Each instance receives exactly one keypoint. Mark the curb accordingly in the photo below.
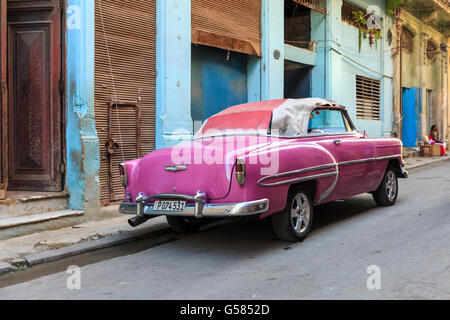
(6, 267)
(77, 249)
(419, 165)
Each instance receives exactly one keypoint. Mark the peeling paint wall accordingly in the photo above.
(81, 136)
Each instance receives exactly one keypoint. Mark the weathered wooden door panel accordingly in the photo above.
(3, 104)
(34, 62)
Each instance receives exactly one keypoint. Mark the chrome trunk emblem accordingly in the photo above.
(176, 168)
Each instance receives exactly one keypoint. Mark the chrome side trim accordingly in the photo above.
(318, 176)
(331, 188)
(208, 210)
(321, 167)
(301, 179)
(288, 173)
(388, 157)
(347, 163)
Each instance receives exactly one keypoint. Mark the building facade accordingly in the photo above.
(421, 77)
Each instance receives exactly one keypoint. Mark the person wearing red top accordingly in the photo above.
(434, 139)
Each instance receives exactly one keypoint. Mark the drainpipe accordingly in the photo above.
(325, 53)
(400, 123)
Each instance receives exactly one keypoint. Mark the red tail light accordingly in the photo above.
(123, 174)
(240, 171)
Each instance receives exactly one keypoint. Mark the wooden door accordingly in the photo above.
(34, 74)
(3, 104)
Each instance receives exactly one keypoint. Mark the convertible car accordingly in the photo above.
(272, 159)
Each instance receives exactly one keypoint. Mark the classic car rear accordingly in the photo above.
(275, 158)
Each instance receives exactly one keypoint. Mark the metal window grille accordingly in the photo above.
(316, 5)
(367, 98)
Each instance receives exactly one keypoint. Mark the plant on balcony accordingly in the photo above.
(391, 5)
(360, 19)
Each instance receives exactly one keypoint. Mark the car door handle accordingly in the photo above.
(337, 141)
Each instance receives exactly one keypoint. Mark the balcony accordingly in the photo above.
(435, 13)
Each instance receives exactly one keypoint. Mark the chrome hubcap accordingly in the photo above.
(300, 212)
(391, 185)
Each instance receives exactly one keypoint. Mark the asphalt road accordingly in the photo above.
(409, 243)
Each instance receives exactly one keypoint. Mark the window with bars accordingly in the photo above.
(367, 98)
(316, 5)
(347, 10)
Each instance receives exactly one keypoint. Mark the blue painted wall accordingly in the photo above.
(83, 164)
(338, 62)
(219, 80)
(173, 80)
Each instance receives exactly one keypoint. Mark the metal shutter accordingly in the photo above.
(130, 27)
(367, 98)
(234, 26)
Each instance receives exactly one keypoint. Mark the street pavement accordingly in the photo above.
(407, 245)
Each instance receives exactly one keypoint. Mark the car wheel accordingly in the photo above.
(294, 222)
(184, 224)
(387, 192)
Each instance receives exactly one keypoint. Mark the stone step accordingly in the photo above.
(38, 218)
(20, 203)
(411, 152)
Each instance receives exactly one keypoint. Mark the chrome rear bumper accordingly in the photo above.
(209, 210)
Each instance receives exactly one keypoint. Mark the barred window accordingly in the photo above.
(316, 5)
(347, 10)
(367, 98)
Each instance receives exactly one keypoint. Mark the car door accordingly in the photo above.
(355, 155)
(352, 151)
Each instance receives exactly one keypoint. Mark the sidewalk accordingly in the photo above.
(417, 162)
(52, 245)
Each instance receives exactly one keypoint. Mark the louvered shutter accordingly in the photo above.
(234, 26)
(367, 98)
(130, 27)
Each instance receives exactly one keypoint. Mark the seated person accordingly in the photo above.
(434, 139)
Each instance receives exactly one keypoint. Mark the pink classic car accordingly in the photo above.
(276, 159)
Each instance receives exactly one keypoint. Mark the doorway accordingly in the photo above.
(32, 76)
(297, 80)
(411, 111)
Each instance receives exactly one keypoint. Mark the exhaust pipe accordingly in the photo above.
(137, 221)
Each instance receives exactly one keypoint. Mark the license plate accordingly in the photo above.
(167, 205)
